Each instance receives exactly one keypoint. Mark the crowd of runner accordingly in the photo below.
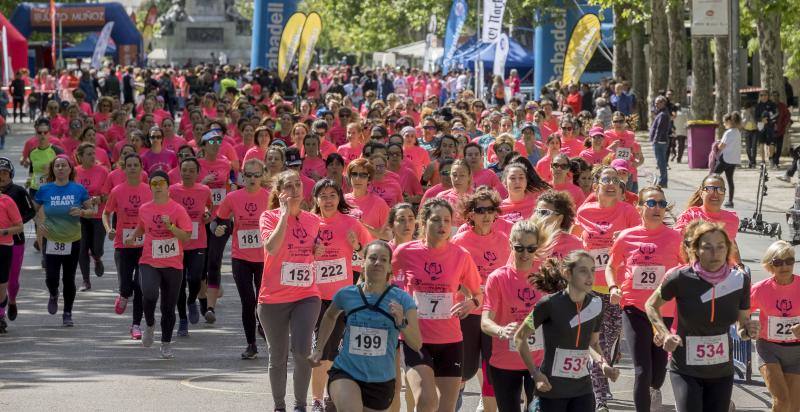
(417, 237)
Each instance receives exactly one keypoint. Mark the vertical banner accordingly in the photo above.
(53, 30)
(500, 55)
(710, 17)
(430, 40)
(455, 23)
(290, 42)
(308, 40)
(269, 17)
(493, 11)
(100, 46)
(6, 60)
(584, 41)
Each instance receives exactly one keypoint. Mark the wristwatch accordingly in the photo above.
(402, 324)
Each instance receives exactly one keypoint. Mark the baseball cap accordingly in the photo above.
(5, 164)
(293, 157)
(621, 164)
(379, 130)
(408, 129)
(594, 131)
(211, 134)
(527, 125)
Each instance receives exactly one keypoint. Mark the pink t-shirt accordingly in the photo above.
(161, 248)
(409, 181)
(125, 201)
(563, 244)
(641, 258)
(334, 269)
(9, 216)
(454, 199)
(433, 277)
(314, 168)
(511, 298)
(574, 192)
(489, 178)
(516, 211)
(174, 143)
(246, 209)
(775, 303)
(489, 252)
(93, 179)
(220, 169)
(592, 157)
(727, 218)
(625, 150)
(519, 147)
(254, 152)
(388, 189)
(116, 178)
(418, 157)
(543, 168)
(572, 147)
(599, 226)
(289, 274)
(195, 200)
(432, 192)
(165, 160)
(350, 152)
(369, 209)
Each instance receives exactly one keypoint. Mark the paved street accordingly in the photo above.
(95, 366)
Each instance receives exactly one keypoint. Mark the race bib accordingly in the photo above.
(248, 239)
(707, 350)
(368, 341)
(647, 277)
(195, 230)
(433, 305)
(217, 195)
(58, 248)
(357, 261)
(329, 271)
(601, 258)
(571, 363)
(780, 329)
(165, 248)
(296, 274)
(535, 341)
(138, 241)
(623, 153)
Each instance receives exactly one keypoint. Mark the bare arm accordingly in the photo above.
(325, 329)
(275, 239)
(492, 328)
(412, 337)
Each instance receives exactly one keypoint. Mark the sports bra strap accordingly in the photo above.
(374, 307)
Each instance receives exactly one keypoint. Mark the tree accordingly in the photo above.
(702, 79)
(677, 54)
(722, 75)
(622, 59)
(639, 74)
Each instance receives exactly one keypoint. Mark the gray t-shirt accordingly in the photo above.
(704, 312)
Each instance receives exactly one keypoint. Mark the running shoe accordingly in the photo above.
(52, 305)
(183, 327)
(147, 335)
(36, 245)
(12, 311)
(99, 269)
(784, 178)
(655, 399)
(120, 304)
(86, 286)
(4, 325)
(728, 205)
(67, 316)
(211, 317)
(166, 350)
(299, 409)
(194, 313)
(316, 406)
(329, 406)
(251, 352)
(601, 407)
(136, 332)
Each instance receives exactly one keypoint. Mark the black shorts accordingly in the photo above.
(767, 137)
(374, 395)
(444, 358)
(5, 263)
(331, 349)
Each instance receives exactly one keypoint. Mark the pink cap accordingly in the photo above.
(621, 164)
(597, 130)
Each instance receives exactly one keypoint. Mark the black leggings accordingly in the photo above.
(65, 266)
(728, 169)
(508, 386)
(247, 276)
(216, 248)
(649, 360)
(701, 395)
(193, 264)
(477, 346)
(93, 237)
(581, 403)
(19, 102)
(127, 260)
(164, 280)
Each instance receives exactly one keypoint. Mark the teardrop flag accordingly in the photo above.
(308, 40)
(582, 45)
(290, 43)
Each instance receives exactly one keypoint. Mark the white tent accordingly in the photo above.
(414, 53)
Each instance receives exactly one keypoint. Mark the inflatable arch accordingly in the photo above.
(83, 17)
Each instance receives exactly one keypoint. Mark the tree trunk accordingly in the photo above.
(702, 79)
(677, 52)
(622, 58)
(722, 76)
(638, 65)
(659, 52)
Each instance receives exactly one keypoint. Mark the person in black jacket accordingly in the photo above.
(110, 85)
(17, 90)
(127, 86)
(766, 114)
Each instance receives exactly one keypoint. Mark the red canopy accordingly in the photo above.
(17, 45)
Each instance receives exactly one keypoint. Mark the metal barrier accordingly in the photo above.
(742, 351)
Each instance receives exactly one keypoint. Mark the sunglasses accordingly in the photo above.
(214, 141)
(522, 248)
(444, 172)
(619, 121)
(781, 262)
(157, 137)
(250, 175)
(484, 210)
(544, 212)
(395, 154)
(609, 181)
(42, 133)
(562, 166)
(718, 189)
(158, 183)
(364, 175)
(429, 127)
(570, 128)
(651, 203)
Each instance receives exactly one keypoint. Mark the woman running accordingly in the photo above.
(158, 157)
(461, 177)
(778, 344)
(556, 211)
(61, 203)
(376, 313)
(433, 271)
(553, 144)
(639, 258)
(288, 300)
(569, 318)
(370, 209)
(523, 188)
(27, 210)
(560, 167)
(124, 202)
(710, 296)
(10, 225)
(245, 206)
(91, 176)
(597, 152)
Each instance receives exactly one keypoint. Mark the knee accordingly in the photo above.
(428, 400)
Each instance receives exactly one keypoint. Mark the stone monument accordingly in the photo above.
(202, 30)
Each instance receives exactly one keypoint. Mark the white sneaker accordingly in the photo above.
(166, 350)
(147, 335)
(479, 408)
(655, 399)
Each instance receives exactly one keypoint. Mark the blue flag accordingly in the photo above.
(455, 23)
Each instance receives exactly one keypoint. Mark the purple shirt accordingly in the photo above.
(164, 161)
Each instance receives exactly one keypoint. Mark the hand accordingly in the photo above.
(129, 241)
(507, 332)
(283, 202)
(315, 358)
(397, 311)
(796, 330)
(112, 234)
(462, 309)
(671, 342)
(658, 339)
(165, 220)
(610, 372)
(220, 230)
(208, 179)
(542, 383)
(614, 144)
(352, 239)
(319, 249)
(207, 216)
(752, 328)
(75, 212)
(615, 296)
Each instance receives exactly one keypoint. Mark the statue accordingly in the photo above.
(232, 14)
(175, 13)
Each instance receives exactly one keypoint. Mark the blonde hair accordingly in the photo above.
(777, 250)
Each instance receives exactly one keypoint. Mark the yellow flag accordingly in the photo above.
(308, 40)
(582, 45)
(290, 42)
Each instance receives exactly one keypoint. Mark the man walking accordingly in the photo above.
(659, 137)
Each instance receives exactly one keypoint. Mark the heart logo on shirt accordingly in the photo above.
(526, 295)
(325, 236)
(433, 269)
(134, 200)
(188, 202)
(250, 208)
(489, 257)
(785, 306)
(300, 234)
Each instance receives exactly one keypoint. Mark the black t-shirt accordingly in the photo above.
(24, 204)
(558, 316)
(705, 311)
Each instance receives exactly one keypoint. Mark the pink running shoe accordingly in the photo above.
(120, 304)
(136, 332)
